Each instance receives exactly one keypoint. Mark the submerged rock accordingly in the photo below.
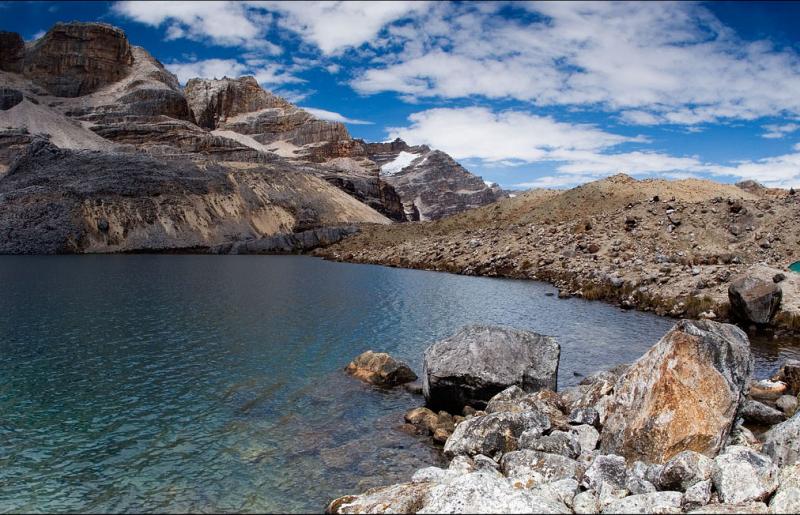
(380, 369)
(477, 362)
(683, 394)
(753, 299)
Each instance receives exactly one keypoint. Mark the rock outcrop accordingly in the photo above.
(380, 369)
(683, 394)
(754, 300)
(12, 52)
(74, 59)
(477, 362)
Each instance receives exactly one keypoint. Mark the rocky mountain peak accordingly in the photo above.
(215, 100)
(74, 59)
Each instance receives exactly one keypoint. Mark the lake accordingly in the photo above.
(214, 383)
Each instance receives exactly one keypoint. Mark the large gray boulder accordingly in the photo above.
(478, 362)
(782, 442)
(683, 394)
(754, 299)
(528, 468)
(684, 470)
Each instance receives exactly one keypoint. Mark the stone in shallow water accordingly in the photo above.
(789, 373)
(496, 432)
(753, 299)
(380, 369)
(400, 498)
(787, 404)
(683, 394)
(478, 362)
(743, 475)
(759, 413)
(782, 442)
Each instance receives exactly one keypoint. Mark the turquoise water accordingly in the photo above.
(214, 383)
(795, 267)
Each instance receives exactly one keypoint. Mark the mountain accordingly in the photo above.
(102, 150)
(668, 246)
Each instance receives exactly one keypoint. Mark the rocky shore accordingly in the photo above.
(684, 429)
(670, 247)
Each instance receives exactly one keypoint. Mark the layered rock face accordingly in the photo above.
(683, 394)
(214, 101)
(74, 59)
(63, 201)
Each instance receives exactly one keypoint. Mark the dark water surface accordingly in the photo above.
(214, 383)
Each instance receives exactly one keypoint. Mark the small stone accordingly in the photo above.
(787, 404)
(492, 433)
(557, 442)
(731, 509)
(786, 500)
(579, 416)
(607, 468)
(380, 369)
(587, 436)
(530, 468)
(759, 413)
(586, 502)
(684, 470)
(782, 442)
(697, 495)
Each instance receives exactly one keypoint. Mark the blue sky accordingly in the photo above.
(524, 94)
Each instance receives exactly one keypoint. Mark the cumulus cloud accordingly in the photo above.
(335, 26)
(655, 62)
(478, 132)
(331, 116)
(779, 131)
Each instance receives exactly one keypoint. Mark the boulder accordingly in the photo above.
(787, 404)
(786, 500)
(697, 495)
(527, 468)
(655, 502)
(483, 492)
(731, 509)
(380, 369)
(782, 442)
(608, 469)
(759, 413)
(478, 362)
(587, 436)
(754, 300)
(586, 502)
(588, 416)
(684, 470)
(743, 475)
(400, 498)
(683, 394)
(557, 442)
(492, 433)
(767, 390)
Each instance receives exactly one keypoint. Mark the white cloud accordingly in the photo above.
(335, 26)
(331, 116)
(226, 23)
(779, 131)
(268, 75)
(656, 62)
(477, 132)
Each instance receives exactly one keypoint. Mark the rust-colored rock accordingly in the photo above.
(683, 394)
(380, 369)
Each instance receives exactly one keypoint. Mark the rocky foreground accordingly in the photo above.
(685, 429)
(671, 247)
